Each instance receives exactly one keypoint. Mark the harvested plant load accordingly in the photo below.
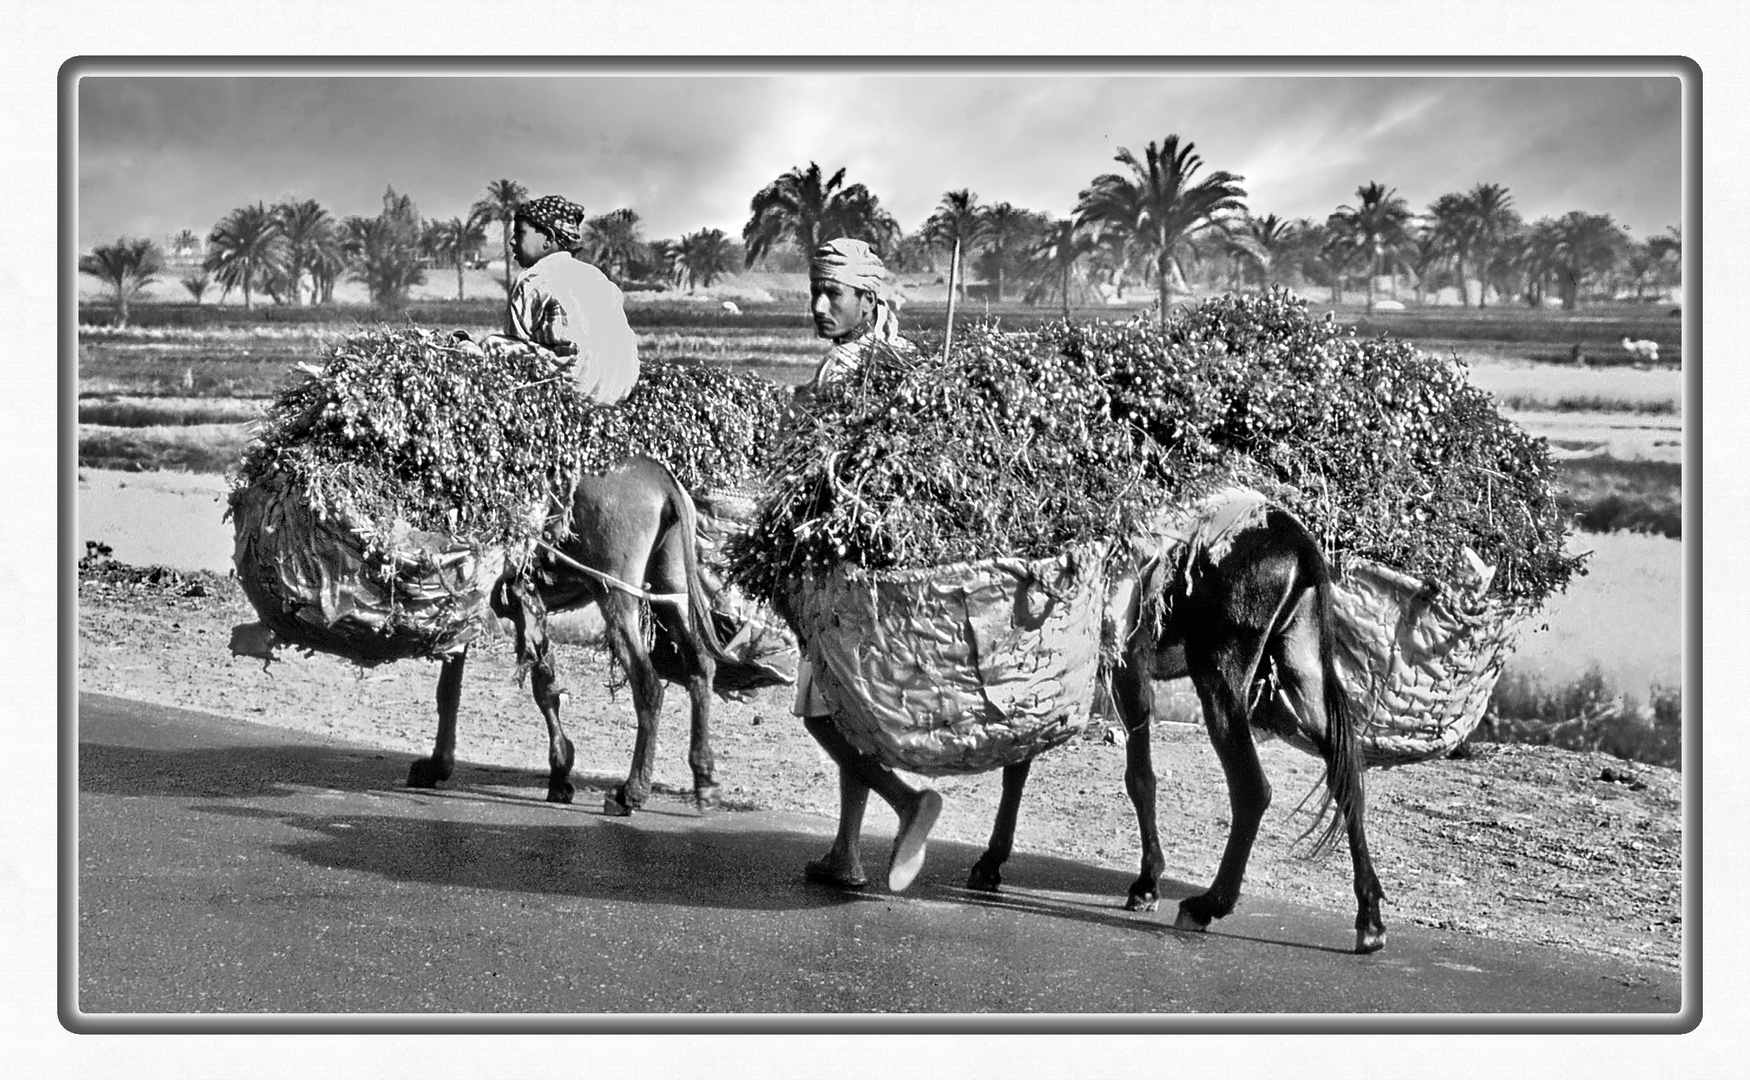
(1385, 453)
(377, 505)
(1001, 451)
(1024, 445)
(714, 427)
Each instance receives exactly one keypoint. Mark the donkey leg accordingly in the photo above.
(986, 875)
(1222, 691)
(1322, 718)
(699, 756)
(1134, 695)
(621, 615)
(430, 771)
(528, 614)
(701, 672)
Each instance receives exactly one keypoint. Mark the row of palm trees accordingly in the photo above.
(1156, 220)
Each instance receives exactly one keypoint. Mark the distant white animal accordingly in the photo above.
(1642, 350)
(729, 306)
(1388, 305)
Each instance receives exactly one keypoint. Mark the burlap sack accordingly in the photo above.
(961, 668)
(308, 579)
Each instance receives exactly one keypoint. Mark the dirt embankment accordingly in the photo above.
(1537, 845)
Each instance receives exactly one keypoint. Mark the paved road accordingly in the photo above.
(231, 868)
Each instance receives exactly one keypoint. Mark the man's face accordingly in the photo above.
(838, 309)
(530, 245)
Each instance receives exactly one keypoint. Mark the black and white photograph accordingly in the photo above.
(774, 542)
(522, 519)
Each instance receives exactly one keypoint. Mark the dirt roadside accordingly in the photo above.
(1580, 851)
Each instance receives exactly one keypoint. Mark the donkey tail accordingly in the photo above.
(1343, 781)
(699, 615)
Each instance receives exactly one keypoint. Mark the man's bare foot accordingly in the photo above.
(914, 832)
(837, 872)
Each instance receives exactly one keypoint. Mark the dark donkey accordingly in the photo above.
(1254, 609)
(633, 541)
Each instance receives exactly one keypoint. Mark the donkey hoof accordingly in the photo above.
(613, 807)
(1189, 919)
(560, 792)
(425, 773)
(982, 880)
(706, 798)
(1369, 941)
(1142, 899)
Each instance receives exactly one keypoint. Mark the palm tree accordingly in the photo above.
(244, 247)
(1271, 237)
(702, 257)
(1424, 253)
(1159, 208)
(1378, 226)
(1455, 227)
(1587, 246)
(1006, 227)
(185, 243)
(1058, 250)
(1493, 220)
(128, 266)
(1667, 250)
(384, 257)
(808, 209)
(499, 204)
(197, 285)
(309, 235)
(612, 243)
(957, 224)
(454, 242)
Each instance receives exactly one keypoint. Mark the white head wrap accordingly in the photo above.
(854, 263)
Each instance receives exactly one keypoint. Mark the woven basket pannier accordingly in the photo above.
(960, 668)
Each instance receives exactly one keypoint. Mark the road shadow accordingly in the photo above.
(669, 854)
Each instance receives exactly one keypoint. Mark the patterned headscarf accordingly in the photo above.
(558, 216)
(854, 263)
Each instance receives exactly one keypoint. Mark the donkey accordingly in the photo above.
(632, 542)
(1240, 617)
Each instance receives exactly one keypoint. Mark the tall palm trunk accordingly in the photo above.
(506, 258)
(1163, 270)
(1066, 269)
(459, 262)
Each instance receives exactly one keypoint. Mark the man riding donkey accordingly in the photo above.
(564, 306)
(851, 308)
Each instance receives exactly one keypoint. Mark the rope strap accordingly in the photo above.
(678, 600)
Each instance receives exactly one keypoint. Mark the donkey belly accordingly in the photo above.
(1169, 663)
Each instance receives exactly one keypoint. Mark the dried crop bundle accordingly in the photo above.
(714, 427)
(1386, 453)
(377, 505)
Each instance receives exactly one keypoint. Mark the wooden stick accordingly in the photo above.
(953, 265)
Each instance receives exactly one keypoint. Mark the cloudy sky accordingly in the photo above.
(158, 153)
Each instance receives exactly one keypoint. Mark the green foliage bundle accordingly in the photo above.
(1383, 451)
(1004, 449)
(401, 424)
(1022, 444)
(716, 428)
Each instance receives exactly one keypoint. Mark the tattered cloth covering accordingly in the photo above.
(1418, 662)
(758, 639)
(961, 668)
(308, 579)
